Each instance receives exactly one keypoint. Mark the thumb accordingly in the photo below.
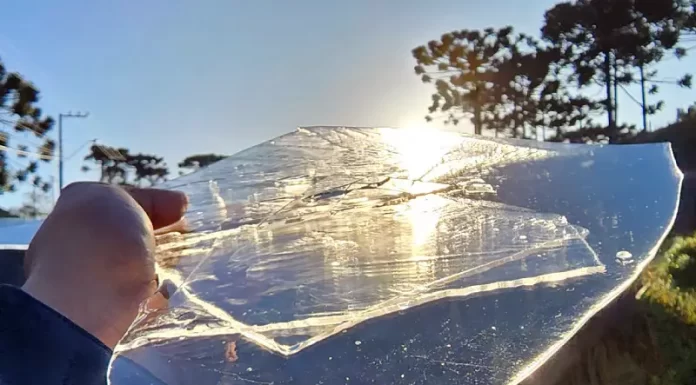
(160, 299)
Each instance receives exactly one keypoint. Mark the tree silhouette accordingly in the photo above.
(194, 162)
(658, 27)
(518, 86)
(7, 214)
(507, 83)
(111, 161)
(530, 91)
(657, 33)
(19, 116)
(684, 114)
(587, 33)
(37, 202)
(148, 168)
(462, 64)
(119, 166)
(604, 42)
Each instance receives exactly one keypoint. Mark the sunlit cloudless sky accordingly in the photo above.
(176, 78)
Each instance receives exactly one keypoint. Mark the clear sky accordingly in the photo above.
(179, 77)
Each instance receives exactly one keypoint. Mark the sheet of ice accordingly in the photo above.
(329, 230)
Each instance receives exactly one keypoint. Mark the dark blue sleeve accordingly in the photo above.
(40, 346)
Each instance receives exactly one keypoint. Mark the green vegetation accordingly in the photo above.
(670, 282)
(669, 304)
(21, 118)
(648, 336)
(6, 214)
(535, 86)
(120, 166)
(194, 162)
(525, 86)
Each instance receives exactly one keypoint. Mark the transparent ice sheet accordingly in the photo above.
(312, 234)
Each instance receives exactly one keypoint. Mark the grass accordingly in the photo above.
(669, 305)
(650, 337)
(670, 282)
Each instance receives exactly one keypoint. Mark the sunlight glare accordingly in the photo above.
(419, 149)
(424, 215)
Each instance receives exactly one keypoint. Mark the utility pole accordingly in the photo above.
(53, 189)
(60, 142)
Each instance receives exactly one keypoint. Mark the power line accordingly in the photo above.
(60, 141)
(631, 96)
(26, 153)
(663, 81)
(93, 141)
(17, 138)
(675, 57)
(16, 163)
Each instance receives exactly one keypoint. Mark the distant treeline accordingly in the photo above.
(536, 87)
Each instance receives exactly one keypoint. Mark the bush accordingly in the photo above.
(669, 302)
(671, 281)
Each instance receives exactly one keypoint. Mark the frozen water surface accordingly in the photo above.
(360, 255)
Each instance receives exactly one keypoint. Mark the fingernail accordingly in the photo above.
(167, 289)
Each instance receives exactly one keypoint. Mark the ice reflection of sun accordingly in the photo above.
(419, 149)
(424, 215)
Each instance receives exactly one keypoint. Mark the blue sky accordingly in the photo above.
(176, 78)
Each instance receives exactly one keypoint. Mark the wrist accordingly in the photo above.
(88, 314)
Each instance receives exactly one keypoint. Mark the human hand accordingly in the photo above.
(92, 259)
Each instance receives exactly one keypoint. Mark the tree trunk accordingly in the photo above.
(607, 79)
(616, 91)
(516, 121)
(644, 98)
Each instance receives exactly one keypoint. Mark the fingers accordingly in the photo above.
(157, 302)
(176, 227)
(164, 207)
(160, 299)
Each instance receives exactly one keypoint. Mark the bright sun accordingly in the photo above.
(419, 148)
